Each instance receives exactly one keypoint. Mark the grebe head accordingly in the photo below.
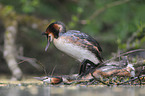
(53, 31)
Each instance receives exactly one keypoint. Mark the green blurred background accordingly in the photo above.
(118, 25)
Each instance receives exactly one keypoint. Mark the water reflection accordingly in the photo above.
(71, 91)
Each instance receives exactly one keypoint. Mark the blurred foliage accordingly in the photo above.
(29, 6)
(111, 22)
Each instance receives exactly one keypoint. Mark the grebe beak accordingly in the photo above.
(48, 40)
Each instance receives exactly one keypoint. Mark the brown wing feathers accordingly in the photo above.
(86, 41)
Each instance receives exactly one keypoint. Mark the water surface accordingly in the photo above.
(72, 91)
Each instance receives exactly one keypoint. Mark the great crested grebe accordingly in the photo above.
(76, 44)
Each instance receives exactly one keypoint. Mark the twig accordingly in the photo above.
(126, 53)
(139, 81)
(32, 61)
(99, 80)
(99, 11)
(43, 67)
(135, 78)
(53, 70)
(139, 78)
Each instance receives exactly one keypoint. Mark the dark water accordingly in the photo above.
(72, 91)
